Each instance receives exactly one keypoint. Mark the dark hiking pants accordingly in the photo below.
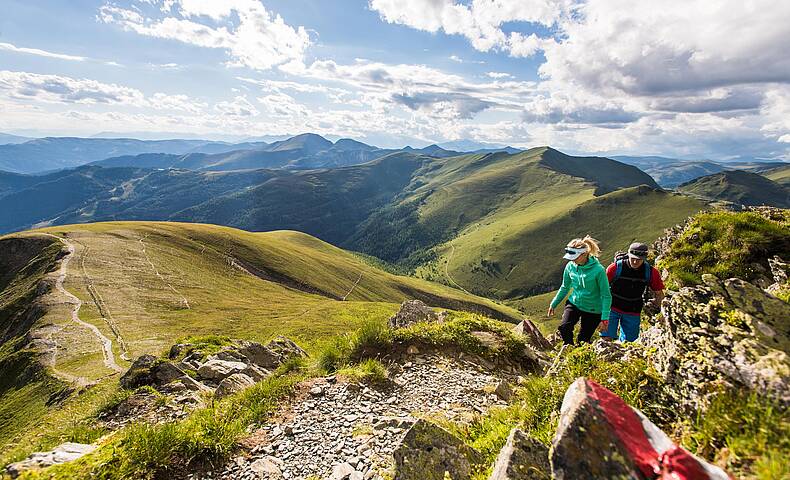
(570, 317)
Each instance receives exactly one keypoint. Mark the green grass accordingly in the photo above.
(374, 339)
(747, 433)
(727, 245)
(162, 450)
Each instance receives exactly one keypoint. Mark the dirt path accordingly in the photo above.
(353, 286)
(184, 300)
(106, 343)
(447, 269)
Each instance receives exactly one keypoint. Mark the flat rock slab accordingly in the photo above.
(66, 452)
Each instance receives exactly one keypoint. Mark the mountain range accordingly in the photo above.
(464, 219)
(671, 172)
(299, 152)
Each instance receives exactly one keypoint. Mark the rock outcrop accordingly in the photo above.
(723, 334)
(429, 452)
(522, 458)
(601, 436)
(231, 369)
(411, 312)
(534, 337)
(62, 454)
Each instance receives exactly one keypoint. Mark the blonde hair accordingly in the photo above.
(592, 245)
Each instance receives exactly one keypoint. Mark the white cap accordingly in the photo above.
(572, 253)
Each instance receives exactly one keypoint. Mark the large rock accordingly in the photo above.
(217, 370)
(272, 355)
(62, 454)
(232, 384)
(149, 370)
(411, 312)
(601, 436)
(723, 334)
(428, 451)
(522, 458)
(534, 337)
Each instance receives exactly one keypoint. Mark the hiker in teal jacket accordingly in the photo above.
(590, 300)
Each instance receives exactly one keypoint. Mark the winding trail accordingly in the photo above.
(353, 286)
(156, 271)
(447, 269)
(106, 343)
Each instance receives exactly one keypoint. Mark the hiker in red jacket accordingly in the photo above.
(630, 276)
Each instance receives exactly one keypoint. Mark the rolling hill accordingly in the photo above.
(737, 186)
(480, 212)
(144, 285)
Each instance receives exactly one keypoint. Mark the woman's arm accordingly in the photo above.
(564, 288)
(606, 295)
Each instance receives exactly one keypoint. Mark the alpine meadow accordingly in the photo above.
(394, 240)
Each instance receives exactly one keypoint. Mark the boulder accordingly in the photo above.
(232, 384)
(503, 390)
(270, 356)
(534, 337)
(522, 458)
(601, 436)
(723, 334)
(411, 312)
(285, 348)
(216, 369)
(427, 451)
(61, 454)
(149, 370)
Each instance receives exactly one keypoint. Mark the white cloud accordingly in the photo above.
(499, 75)
(481, 22)
(252, 36)
(40, 53)
(239, 107)
(67, 90)
(61, 89)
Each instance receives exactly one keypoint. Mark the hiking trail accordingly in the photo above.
(106, 343)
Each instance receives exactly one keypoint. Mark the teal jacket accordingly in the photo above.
(590, 288)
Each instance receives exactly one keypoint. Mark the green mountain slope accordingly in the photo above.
(780, 175)
(494, 224)
(145, 284)
(739, 187)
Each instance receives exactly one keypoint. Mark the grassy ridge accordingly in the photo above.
(739, 187)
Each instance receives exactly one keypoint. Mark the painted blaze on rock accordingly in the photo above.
(601, 436)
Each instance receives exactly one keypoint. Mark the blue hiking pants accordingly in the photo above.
(629, 326)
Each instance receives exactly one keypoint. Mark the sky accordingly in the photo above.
(688, 79)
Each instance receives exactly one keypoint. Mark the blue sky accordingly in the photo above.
(691, 79)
